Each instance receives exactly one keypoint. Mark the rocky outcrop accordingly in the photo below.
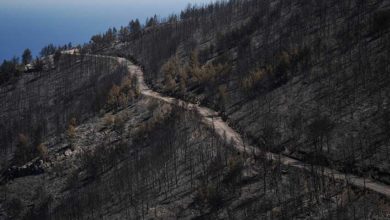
(29, 169)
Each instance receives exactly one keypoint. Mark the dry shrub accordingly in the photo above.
(123, 100)
(285, 58)
(176, 75)
(73, 122)
(119, 96)
(71, 132)
(109, 119)
(276, 212)
(126, 84)
(235, 166)
(170, 82)
(210, 73)
(115, 121)
(253, 79)
(137, 91)
(223, 96)
(170, 70)
(113, 95)
(23, 140)
(120, 123)
(43, 152)
(204, 74)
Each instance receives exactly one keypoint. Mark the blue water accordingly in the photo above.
(34, 24)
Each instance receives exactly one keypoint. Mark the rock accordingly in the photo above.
(13, 172)
(68, 152)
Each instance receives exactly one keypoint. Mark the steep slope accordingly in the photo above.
(155, 158)
(305, 78)
(42, 104)
(227, 134)
(296, 124)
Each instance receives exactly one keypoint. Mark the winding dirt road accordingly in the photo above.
(212, 119)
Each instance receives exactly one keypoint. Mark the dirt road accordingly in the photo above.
(211, 118)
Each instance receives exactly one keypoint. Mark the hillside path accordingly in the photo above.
(212, 119)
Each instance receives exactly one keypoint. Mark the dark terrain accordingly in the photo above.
(257, 109)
